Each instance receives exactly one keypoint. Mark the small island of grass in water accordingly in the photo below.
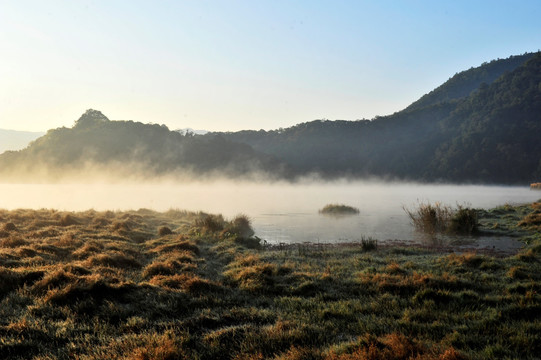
(338, 209)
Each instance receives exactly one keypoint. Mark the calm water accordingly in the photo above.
(280, 212)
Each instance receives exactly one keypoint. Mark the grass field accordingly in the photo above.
(179, 285)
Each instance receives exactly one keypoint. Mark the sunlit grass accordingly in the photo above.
(115, 285)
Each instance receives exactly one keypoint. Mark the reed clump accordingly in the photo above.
(439, 218)
(369, 243)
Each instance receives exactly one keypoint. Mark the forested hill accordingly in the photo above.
(470, 129)
(466, 82)
(127, 147)
(482, 126)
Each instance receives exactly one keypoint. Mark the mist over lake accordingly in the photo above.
(280, 212)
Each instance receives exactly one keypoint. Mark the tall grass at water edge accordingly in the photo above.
(439, 218)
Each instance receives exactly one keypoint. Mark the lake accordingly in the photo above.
(280, 212)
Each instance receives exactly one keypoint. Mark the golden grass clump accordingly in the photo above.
(113, 259)
(394, 346)
(55, 279)
(12, 242)
(94, 287)
(159, 268)
(532, 219)
(88, 249)
(179, 245)
(469, 259)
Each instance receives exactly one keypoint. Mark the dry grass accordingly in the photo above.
(111, 285)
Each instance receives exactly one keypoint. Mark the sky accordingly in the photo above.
(228, 65)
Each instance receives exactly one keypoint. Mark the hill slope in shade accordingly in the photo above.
(487, 134)
(466, 82)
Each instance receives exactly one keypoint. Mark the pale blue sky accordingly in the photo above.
(231, 65)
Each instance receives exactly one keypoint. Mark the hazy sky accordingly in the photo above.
(231, 65)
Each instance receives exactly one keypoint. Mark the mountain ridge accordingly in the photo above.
(411, 144)
(480, 126)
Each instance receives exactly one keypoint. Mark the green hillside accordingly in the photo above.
(470, 129)
(466, 82)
